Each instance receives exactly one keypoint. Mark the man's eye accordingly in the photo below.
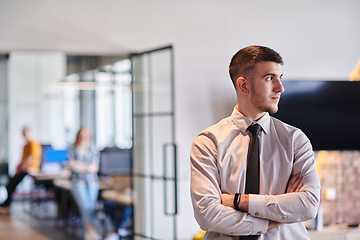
(268, 78)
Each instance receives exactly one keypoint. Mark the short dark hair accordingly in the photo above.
(243, 62)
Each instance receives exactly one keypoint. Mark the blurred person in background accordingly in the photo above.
(84, 166)
(30, 164)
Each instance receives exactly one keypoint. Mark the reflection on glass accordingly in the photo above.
(71, 116)
(113, 103)
(123, 116)
(113, 108)
(122, 66)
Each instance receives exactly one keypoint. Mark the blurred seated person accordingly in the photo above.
(30, 164)
(84, 165)
(121, 218)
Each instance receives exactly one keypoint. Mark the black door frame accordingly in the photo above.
(165, 146)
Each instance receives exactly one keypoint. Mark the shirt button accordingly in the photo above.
(283, 218)
(232, 233)
(258, 233)
(256, 214)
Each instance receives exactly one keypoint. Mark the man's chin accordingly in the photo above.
(273, 110)
(268, 109)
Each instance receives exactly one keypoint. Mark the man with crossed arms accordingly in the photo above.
(289, 187)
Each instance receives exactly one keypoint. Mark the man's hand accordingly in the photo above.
(273, 224)
(294, 184)
(23, 166)
(19, 168)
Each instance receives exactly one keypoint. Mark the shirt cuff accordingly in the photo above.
(257, 205)
(260, 226)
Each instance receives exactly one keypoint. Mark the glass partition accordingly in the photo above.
(154, 151)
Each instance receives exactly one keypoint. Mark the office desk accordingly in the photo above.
(117, 197)
(47, 180)
(67, 202)
(42, 191)
(51, 176)
(119, 207)
(66, 184)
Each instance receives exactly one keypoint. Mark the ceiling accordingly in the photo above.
(113, 27)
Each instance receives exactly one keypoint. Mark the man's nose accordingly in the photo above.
(279, 88)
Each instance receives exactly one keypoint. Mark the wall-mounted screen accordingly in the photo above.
(328, 112)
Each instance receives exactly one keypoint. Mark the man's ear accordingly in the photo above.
(243, 85)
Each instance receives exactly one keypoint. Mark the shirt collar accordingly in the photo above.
(243, 122)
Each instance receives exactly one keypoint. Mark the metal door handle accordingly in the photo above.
(165, 146)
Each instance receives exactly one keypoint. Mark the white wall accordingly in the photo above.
(317, 39)
(34, 100)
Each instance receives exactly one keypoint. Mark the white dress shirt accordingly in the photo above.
(218, 165)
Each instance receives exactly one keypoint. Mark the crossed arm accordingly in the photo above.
(294, 185)
(83, 167)
(215, 212)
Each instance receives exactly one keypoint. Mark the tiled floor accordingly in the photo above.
(20, 224)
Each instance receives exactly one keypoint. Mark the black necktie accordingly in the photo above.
(252, 185)
(252, 172)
